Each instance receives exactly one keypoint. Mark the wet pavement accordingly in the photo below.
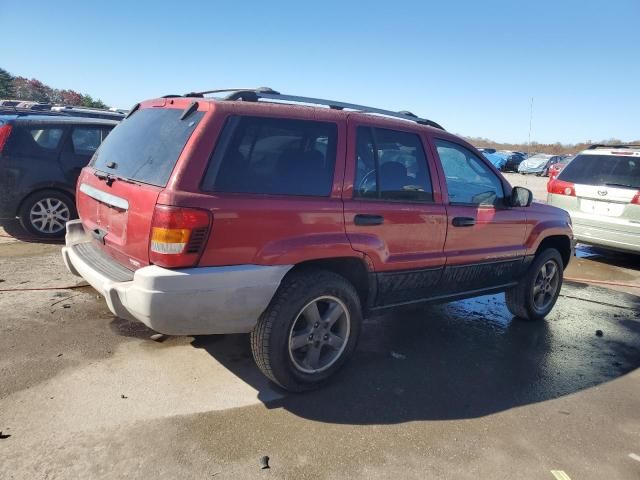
(449, 391)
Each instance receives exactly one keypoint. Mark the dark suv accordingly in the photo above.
(40, 160)
(252, 214)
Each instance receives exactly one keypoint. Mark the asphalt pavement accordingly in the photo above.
(450, 391)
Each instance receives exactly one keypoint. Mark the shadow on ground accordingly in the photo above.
(15, 230)
(462, 360)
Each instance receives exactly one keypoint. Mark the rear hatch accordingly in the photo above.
(117, 192)
(605, 190)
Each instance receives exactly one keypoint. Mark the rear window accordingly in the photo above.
(145, 147)
(273, 156)
(614, 170)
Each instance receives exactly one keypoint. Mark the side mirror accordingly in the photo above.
(521, 197)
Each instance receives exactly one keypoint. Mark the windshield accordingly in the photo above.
(145, 147)
(615, 170)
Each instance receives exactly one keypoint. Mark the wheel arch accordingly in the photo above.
(54, 188)
(562, 243)
(354, 269)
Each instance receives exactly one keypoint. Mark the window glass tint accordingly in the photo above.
(391, 165)
(274, 156)
(602, 170)
(146, 146)
(86, 140)
(47, 138)
(469, 180)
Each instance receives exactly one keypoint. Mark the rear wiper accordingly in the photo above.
(106, 177)
(625, 185)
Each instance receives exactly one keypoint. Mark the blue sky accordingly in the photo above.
(472, 66)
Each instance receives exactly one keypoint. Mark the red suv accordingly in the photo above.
(254, 213)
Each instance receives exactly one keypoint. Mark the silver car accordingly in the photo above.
(600, 189)
(538, 164)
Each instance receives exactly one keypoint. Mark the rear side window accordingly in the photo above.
(614, 170)
(145, 147)
(47, 138)
(273, 156)
(391, 165)
(86, 140)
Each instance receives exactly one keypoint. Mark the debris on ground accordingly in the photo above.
(599, 333)
(158, 337)
(59, 355)
(66, 305)
(398, 356)
(123, 396)
(4, 436)
(264, 463)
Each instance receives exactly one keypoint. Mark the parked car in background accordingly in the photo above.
(538, 164)
(555, 170)
(497, 160)
(487, 150)
(40, 160)
(254, 213)
(513, 161)
(600, 188)
(107, 114)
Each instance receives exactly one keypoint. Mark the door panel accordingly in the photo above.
(403, 238)
(485, 240)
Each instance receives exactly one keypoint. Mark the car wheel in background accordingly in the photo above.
(45, 213)
(309, 330)
(536, 293)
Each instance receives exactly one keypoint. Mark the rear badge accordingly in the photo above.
(602, 193)
(134, 262)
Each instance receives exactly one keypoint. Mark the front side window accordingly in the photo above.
(469, 180)
(273, 156)
(391, 165)
(47, 138)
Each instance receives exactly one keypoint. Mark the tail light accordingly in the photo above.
(636, 199)
(178, 236)
(5, 131)
(561, 188)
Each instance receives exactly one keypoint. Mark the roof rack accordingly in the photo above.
(255, 94)
(624, 145)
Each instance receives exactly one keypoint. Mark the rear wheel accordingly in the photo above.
(536, 294)
(309, 330)
(45, 213)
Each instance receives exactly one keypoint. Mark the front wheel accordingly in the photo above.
(309, 330)
(536, 294)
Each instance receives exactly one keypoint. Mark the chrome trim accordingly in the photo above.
(105, 197)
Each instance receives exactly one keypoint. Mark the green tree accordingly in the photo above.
(89, 101)
(6, 84)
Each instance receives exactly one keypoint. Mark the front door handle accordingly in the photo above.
(363, 219)
(463, 222)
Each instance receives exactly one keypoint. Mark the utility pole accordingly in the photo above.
(530, 120)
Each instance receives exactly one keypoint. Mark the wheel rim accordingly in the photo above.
(319, 334)
(545, 285)
(49, 215)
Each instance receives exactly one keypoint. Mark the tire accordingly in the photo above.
(51, 222)
(285, 323)
(520, 299)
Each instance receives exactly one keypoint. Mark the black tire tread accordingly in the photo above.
(291, 286)
(517, 298)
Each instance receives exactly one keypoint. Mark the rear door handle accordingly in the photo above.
(363, 219)
(463, 222)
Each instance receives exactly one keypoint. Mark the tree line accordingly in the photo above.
(21, 88)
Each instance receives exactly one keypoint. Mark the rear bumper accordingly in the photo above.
(606, 237)
(190, 301)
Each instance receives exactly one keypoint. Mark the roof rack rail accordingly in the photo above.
(255, 94)
(623, 145)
